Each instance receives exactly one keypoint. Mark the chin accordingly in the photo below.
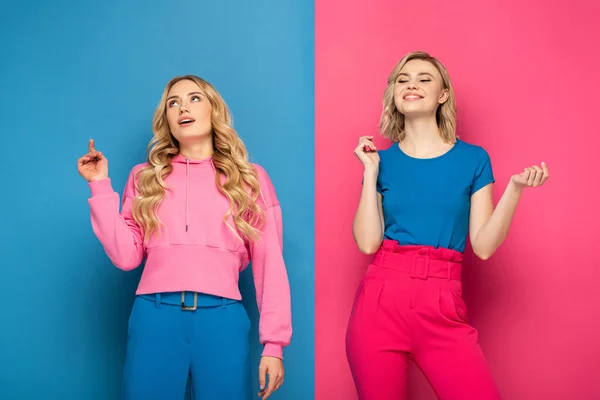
(414, 110)
(191, 136)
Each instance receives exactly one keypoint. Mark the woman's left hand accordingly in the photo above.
(273, 367)
(531, 177)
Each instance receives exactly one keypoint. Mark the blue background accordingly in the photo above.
(73, 70)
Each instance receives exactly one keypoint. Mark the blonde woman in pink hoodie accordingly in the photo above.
(197, 212)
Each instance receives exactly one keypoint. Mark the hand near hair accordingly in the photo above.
(273, 367)
(531, 177)
(93, 166)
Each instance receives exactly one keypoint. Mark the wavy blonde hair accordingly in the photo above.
(230, 159)
(391, 123)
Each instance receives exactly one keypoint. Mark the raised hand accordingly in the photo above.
(367, 152)
(531, 177)
(93, 166)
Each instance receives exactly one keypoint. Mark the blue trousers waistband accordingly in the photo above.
(200, 300)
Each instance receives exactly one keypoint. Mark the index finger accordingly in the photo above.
(91, 146)
(270, 389)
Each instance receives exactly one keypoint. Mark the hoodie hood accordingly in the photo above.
(181, 159)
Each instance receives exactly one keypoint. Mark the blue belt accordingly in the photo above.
(188, 301)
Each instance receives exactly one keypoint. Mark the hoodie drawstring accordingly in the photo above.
(187, 190)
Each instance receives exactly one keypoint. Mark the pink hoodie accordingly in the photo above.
(196, 250)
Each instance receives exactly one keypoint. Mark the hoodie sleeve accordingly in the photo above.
(118, 232)
(270, 275)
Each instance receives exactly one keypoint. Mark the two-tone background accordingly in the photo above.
(304, 80)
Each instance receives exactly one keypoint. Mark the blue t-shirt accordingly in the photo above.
(427, 201)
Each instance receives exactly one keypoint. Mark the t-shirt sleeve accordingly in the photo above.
(484, 174)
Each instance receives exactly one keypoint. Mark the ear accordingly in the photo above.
(444, 97)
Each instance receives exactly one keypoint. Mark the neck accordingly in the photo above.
(200, 149)
(422, 137)
(422, 131)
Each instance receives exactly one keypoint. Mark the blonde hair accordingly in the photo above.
(391, 124)
(230, 159)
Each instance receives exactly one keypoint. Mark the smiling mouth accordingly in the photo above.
(412, 97)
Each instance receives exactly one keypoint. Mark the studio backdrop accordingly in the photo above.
(74, 70)
(527, 86)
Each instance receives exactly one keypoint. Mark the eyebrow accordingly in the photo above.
(420, 74)
(189, 94)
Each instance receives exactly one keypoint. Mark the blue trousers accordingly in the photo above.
(166, 344)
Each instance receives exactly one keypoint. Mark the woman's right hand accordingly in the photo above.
(93, 166)
(367, 152)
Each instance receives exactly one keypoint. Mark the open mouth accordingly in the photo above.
(412, 97)
(186, 121)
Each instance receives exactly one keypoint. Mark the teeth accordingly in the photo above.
(185, 120)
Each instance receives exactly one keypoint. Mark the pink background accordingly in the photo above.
(527, 81)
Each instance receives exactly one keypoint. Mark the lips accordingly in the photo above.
(412, 96)
(186, 121)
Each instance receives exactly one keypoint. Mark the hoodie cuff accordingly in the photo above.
(101, 187)
(273, 350)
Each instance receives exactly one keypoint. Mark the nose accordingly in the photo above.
(183, 108)
(412, 85)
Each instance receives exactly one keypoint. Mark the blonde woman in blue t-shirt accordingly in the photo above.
(420, 198)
